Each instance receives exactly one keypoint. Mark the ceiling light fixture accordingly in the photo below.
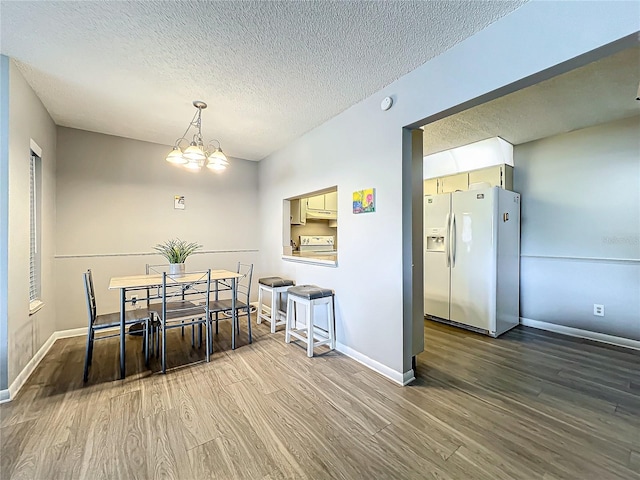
(195, 155)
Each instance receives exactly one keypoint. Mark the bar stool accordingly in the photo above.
(274, 286)
(310, 296)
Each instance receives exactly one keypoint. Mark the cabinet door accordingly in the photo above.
(431, 186)
(491, 175)
(315, 203)
(331, 201)
(454, 183)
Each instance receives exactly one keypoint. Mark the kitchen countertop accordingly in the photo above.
(324, 258)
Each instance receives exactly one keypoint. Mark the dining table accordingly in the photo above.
(144, 283)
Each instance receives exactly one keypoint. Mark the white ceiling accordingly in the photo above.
(600, 92)
(270, 71)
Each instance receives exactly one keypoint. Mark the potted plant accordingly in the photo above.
(176, 252)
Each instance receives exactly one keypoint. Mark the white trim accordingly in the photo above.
(141, 254)
(583, 259)
(26, 372)
(397, 377)
(35, 306)
(35, 148)
(579, 333)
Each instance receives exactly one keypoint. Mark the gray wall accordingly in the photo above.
(29, 120)
(115, 202)
(581, 228)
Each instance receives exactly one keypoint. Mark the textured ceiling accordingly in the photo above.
(270, 71)
(599, 92)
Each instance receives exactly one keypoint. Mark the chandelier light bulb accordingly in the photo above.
(194, 152)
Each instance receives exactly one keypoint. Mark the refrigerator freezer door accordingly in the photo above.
(473, 257)
(436, 270)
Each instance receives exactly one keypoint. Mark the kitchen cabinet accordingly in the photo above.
(298, 211)
(316, 203)
(431, 186)
(322, 206)
(454, 183)
(496, 176)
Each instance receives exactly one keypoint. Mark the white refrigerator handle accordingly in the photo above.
(446, 243)
(452, 240)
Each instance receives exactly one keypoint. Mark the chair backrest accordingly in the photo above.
(244, 282)
(193, 287)
(90, 295)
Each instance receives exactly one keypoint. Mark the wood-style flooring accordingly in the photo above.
(529, 405)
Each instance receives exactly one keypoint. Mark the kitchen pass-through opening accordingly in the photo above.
(310, 227)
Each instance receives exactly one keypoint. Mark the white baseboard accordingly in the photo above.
(579, 333)
(30, 367)
(397, 377)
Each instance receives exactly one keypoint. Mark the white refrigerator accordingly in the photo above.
(472, 259)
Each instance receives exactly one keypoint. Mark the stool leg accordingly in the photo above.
(274, 309)
(332, 322)
(310, 330)
(260, 290)
(290, 308)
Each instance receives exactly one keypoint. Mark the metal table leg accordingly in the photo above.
(122, 331)
(234, 314)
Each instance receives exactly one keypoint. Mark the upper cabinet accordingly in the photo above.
(323, 206)
(495, 176)
(316, 207)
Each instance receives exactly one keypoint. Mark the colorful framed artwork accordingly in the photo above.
(364, 201)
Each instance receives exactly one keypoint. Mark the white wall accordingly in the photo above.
(29, 120)
(581, 228)
(115, 202)
(4, 221)
(366, 151)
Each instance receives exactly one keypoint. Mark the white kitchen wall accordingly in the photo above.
(29, 120)
(581, 228)
(116, 201)
(367, 152)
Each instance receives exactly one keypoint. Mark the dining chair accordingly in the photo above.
(243, 297)
(105, 321)
(183, 303)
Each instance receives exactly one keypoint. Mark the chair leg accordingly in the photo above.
(92, 340)
(85, 376)
(275, 308)
(310, 331)
(290, 308)
(145, 341)
(249, 322)
(207, 333)
(164, 349)
(259, 312)
(332, 324)
(216, 323)
(199, 335)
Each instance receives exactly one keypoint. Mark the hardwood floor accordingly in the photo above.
(530, 405)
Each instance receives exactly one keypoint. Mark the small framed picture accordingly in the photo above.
(364, 201)
(178, 202)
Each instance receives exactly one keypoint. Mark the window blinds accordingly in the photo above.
(34, 283)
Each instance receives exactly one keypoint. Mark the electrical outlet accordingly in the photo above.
(598, 310)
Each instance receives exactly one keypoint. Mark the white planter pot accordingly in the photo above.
(176, 269)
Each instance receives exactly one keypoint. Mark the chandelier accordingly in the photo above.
(196, 155)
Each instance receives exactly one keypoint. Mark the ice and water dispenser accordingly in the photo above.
(435, 239)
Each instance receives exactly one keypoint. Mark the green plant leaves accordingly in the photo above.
(176, 250)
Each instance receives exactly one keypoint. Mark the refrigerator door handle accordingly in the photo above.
(446, 243)
(452, 240)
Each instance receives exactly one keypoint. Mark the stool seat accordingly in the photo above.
(310, 292)
(276, 282)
